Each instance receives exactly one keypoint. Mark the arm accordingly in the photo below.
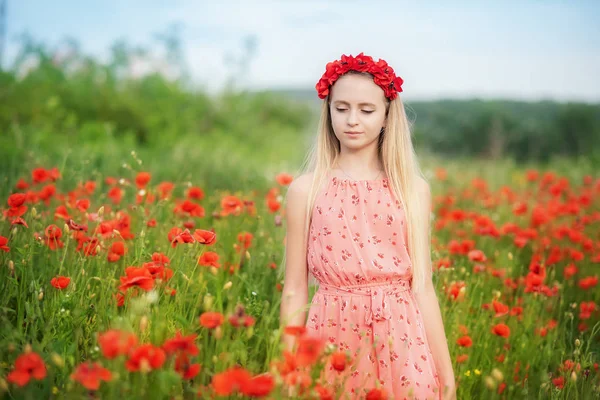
(429, 307)
(294, 295)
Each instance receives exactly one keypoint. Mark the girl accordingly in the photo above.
(358, 221)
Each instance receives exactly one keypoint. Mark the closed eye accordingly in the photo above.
(345, 109)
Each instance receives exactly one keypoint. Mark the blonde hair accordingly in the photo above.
(399, 162)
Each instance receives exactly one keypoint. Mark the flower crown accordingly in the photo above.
(383, 74)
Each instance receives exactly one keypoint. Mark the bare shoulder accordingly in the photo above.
(423, 187)
(300, 185)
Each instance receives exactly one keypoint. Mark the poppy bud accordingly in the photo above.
(208, 301)
(143, 323)
(218, 332)
(497, 374)
(57, 360)
(490, 383)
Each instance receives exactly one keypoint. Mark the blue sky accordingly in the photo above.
(528, 50)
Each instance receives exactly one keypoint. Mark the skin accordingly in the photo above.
(358, 104)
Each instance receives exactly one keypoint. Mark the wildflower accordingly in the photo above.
(90, 374)
(28, 365)
(211, 319)
(140, 277)
(181, 343)
(501, 330)
(60, 282)
(145, 358)
(115, 342)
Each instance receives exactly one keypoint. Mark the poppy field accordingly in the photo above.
(140, 282)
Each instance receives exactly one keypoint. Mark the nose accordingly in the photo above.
(352, 118)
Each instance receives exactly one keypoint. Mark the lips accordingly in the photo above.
(353, 133)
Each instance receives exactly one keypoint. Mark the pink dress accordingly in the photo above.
(357, 251)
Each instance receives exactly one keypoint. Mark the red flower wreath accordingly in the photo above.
(383, 74)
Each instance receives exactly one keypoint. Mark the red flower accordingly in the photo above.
(209, 259)
(146, 357)
(258, 386)
(588, 282)
(185, 368)
(176, 235)
(60, 282)
(115, 342)
(16, 200)
(205, 237)
(464, 341)
(3, 244)
(181, 343)
(27, 366)
(140, 277)
(501, 330)
(295, 330)
(230, 381)
(90, 374)
(339, 360)
(376, 394)
(211, 319)
(309, 350)
(142, 179)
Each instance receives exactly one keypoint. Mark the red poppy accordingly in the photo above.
(205, 237)
(309, 350)
(230, 381)
(181, 343)
(501, 309)
(209, 259)
(90, 374)
(231, 205)
(464, 341)
(339, 360)
(114, 342)
(211, 319)
(19, 221)
(3, 244)
(165, 189)
(75, 226)
(27, 366)
(588, 282)
(258, 386)
(139, 277)
(184, 368)
(142, 179)
(21, 184)
(376, 394)
(82, 205)
(16, 200)
(60, 282)
(146, 357)
(195, 193)
(176, 236)
(501, 330)
(295, 330)
(284, 179)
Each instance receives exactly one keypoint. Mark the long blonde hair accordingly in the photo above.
(399, 160)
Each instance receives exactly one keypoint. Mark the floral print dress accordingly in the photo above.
(357, 251)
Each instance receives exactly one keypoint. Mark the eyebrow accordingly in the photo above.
(360, 104)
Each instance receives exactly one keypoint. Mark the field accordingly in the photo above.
(155, 272)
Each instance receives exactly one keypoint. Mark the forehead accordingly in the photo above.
(356, 89)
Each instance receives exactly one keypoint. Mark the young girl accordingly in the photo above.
(358, 221)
